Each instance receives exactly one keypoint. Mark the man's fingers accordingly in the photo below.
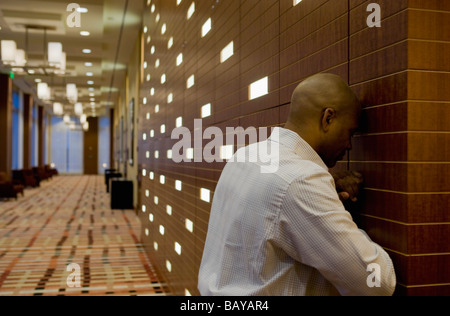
(344, 196)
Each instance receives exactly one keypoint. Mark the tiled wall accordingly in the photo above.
(398, 70)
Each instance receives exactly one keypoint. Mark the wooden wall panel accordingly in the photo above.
(399, 71)
(5, 123)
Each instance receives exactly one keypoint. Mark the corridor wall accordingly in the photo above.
(400, 71)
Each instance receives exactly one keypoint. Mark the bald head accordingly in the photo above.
(325, 112)
(319, 92)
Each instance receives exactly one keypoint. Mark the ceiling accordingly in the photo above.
(113, 26)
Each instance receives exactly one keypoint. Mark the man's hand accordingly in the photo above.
(348, 184)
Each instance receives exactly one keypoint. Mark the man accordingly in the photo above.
(287, 232)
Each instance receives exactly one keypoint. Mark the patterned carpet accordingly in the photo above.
(68, 221)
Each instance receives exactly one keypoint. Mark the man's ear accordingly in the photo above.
(328, 116)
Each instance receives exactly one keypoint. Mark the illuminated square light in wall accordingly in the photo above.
(156, 200)
(163, 128)
(144, 136)
(144, 208)
(163, 29)
(170, 98)
(227, 52)
(161, 229)
(145, 29)
(147, 154)
(177, 248)
(191, 10)
(153, 8)
(156, 154)
(190, 153)
(144, 100)
(147, 193)
(152, 133)
(179, 122)
(170, 43)
(147, 116)
(190, 82)
(163, 78)
(157, 62)
(152, 175)
(259, 88)
(158, 17)
(226, 152)
(189, 225)
(168, 266)
(206, 110)
(157, 108)
(155, 246)
(149, 39)
(148, 77)
(169, 154)
(297, 2)
(152, 49)
(144, 172)
(205, 195)
(180, 59)
(147, 232)
(162, 179)
(145, 65)
(206, 27)
(169, 210)
(178, 185)
(152, 91)
(151, 217)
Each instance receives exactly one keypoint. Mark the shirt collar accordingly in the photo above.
(292, 140)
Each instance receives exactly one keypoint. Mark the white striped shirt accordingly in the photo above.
(287, 232)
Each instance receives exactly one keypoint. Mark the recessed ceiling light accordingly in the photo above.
(37, 80)
(92, 94)
(87, 51)
(90, 82)
(89, 74)
(85, 33)
(82, 10)
(88, 64)
(91, 89)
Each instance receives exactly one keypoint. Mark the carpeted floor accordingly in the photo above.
(67, 223)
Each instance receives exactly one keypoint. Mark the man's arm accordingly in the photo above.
(317, 231)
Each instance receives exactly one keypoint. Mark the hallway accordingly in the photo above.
(68, 220)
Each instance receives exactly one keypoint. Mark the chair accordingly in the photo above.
(8, 189)
(25, 177)
(40, 173)
(51, 171)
